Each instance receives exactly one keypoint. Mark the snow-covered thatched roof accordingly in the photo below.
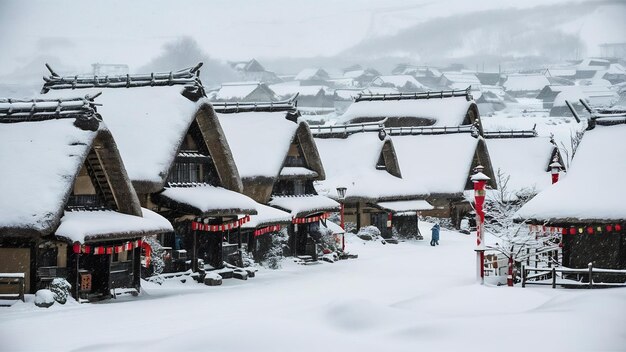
(149, 124)
(398, 81)
(442, 164)
(287, 90)
(352, 163)
(304, 205)
(260, 141)
(206, 200)
(450, 108)
(527, 170)
(593, 190)
(267, 216)
(309, 74)
(525, 82)
(238, 91)
(39, 166)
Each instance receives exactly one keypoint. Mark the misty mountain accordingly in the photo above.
(535, 31)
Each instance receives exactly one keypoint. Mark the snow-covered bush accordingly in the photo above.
(369, 233)
(247, 259)
(44, 298)
(156, 257)
(61, 289)
(275, 254)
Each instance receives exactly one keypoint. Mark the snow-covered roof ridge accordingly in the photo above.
(416, 95)
(237, 106)
(512, 133)
(188, 77)
(15, 110)
(585, 195)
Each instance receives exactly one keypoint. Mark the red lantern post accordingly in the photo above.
(480, 181)
(555, 167)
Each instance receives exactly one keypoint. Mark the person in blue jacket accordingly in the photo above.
(435, 235)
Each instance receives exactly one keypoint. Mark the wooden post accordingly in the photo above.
(21, 284)
(590, 265)
(194, 255)
(528, 256)
(524, 276)
(553, 277)
(239, 237)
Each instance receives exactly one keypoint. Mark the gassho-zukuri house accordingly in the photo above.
(588, 204)
(176, 156)
(445, 109)
(366, 165)
(68, 207)
(278, 161)
(438, 141)
(523, 162)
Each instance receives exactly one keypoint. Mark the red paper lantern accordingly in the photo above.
(590, 230)
(564, 231)
(609, 228)
(618, 227)
(572, 231)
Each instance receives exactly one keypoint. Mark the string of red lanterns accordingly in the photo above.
(311, 219)
(99, 250)
(598, 229)
(200, 226)
(264, 230)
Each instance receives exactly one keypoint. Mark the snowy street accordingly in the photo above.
(403, 297)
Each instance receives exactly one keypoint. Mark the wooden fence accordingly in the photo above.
(548, 276)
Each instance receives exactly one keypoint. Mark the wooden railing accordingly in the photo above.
(548, 276)
(11, 280)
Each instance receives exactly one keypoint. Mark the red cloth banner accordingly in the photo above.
(200, 226)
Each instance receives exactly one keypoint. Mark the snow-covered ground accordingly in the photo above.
(404, 297)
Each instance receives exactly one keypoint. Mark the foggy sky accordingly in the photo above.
(76, 34)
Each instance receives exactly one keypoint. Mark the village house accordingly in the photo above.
(528, 173)
(253, 71)
(313, 98)
(525, 85)
(404, 83)
(243, 91)
(461, 80)
(312, 77)
(366, 165)
(68, 207)
(442, 161)
(587, 205)
(362, 77)
(554, 97)
(449, 109)
(278, 161)
(176, 156)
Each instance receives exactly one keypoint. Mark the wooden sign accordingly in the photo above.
(85, 282)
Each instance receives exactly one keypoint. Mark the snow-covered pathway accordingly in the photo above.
(403, 297)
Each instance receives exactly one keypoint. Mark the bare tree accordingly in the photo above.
(514, 238)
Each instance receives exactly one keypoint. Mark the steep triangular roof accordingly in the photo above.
(260, 139)
(50, 148)
(149, 118)
(442, 163)
(367, 166)
(594, 188)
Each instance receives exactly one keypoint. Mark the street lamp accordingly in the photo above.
(341, 193)
(480, 180)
